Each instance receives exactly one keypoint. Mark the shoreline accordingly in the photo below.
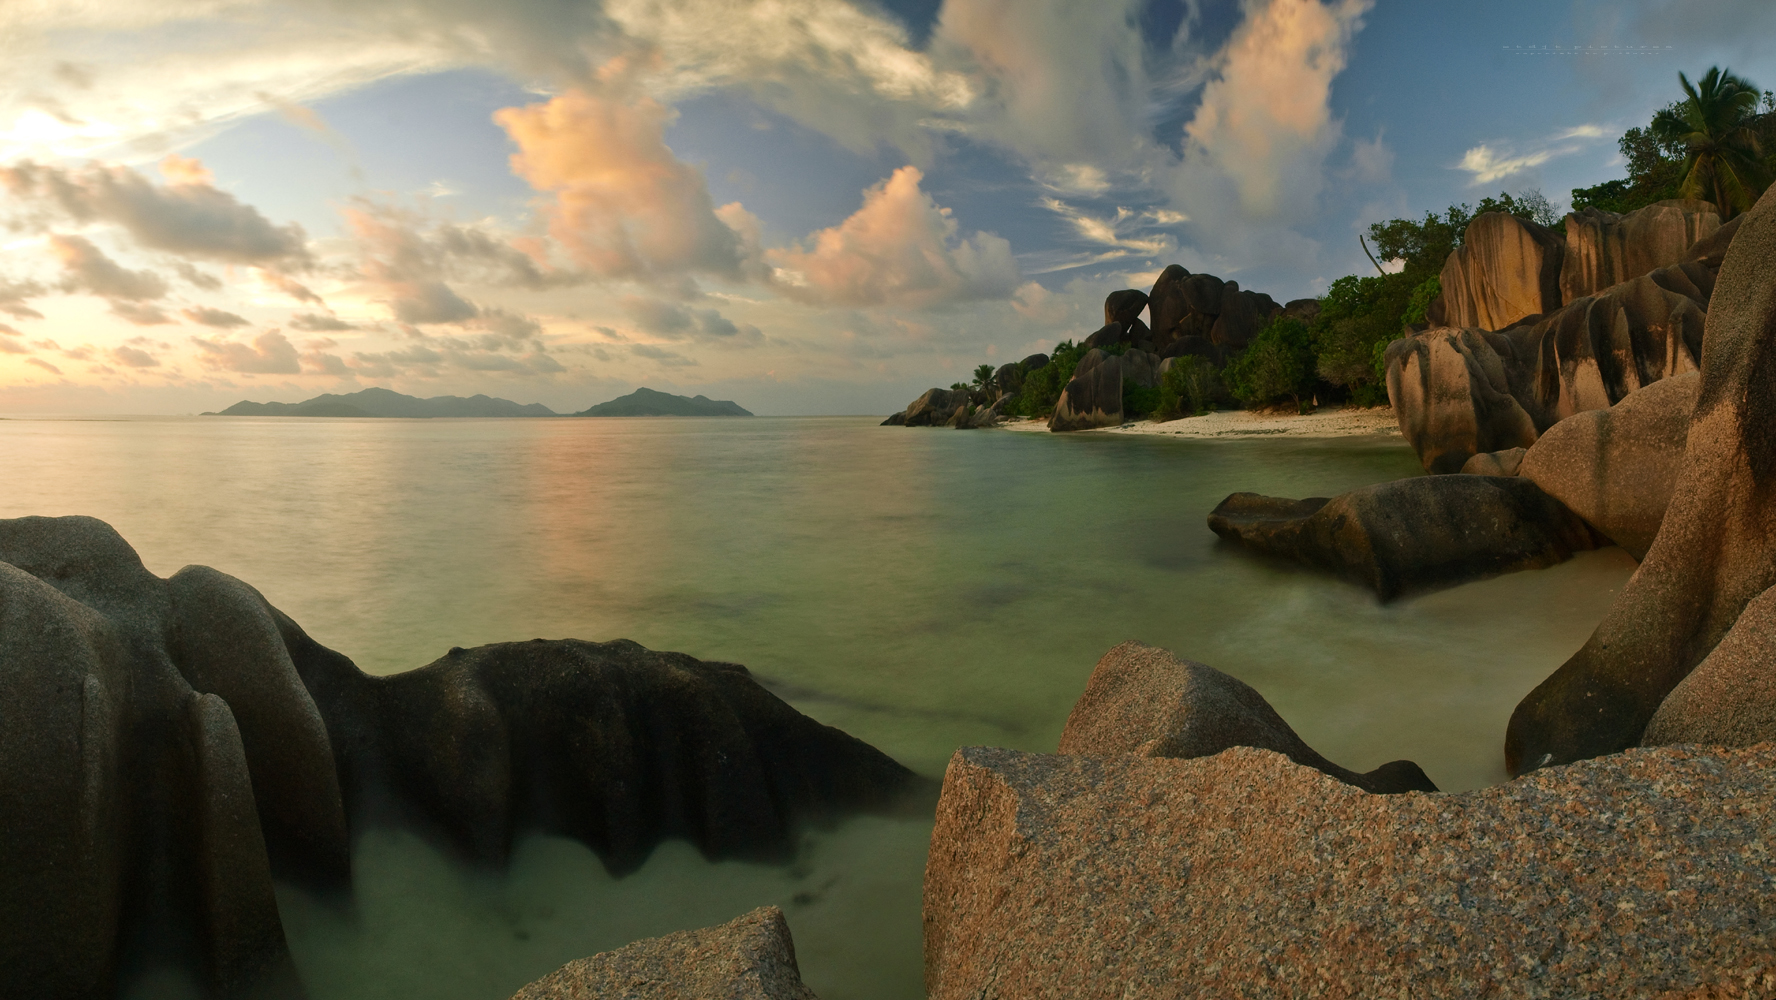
(1328, 422)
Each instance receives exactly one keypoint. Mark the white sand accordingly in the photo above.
(1331, 421)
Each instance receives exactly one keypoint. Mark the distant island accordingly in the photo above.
(376, 402)
(651, 403)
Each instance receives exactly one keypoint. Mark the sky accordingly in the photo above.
(806, 206)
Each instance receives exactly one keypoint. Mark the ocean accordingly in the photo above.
(921, 589)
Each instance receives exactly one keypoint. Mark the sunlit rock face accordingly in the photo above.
(1713, 553)
(170, 745)
(1248, 875)
(1506, 268)
(1462, 392)
(1605, 249)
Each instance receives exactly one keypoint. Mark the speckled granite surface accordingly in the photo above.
(1643, 874)
(748, 958)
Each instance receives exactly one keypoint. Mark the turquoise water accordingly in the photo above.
(921, 589)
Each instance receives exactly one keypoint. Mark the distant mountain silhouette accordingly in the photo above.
(388, 403)
(650, 403)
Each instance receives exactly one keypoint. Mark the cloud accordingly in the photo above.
(289, 286)
(206, 316)
(191, 217)
(271, 353)
(134, 357)
(46, 366)
(13, 295)
(182, 170)
(88, 269)
(139, 313)
(665, 358)
(1487, 163)
(7, 344)
(676, 322)
(1126, 233)
(624, 206)
(199, 279)
(900, 248)
(316, 323)
(1265, 120)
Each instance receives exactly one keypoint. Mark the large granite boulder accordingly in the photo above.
(988, 416)
(1411, 534)
(1452, 397)
(1245, 875)
(1125, 306)
(1711, 251)
(1459, 392)
(1730, 698)
(1495, 463)
(1143, 700)
(1605, 249)
(1203, 310)
(1616, 468)
(1093, 398)
(895, 419)
(170, 745)
(1506, 268)
(751, 957)
(935, 408)
(1713, 553)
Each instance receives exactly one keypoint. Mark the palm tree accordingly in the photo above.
(983, 377)
(1724, 162)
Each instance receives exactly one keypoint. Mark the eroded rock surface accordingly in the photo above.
(169, 745)
(1201, 314)
(1247, 875)
(1730, 698)
(1410, 534)
(1617, 468)
(1712, 554)
(1093, 398)
(1143, 700)
(751, 957)
(1495, 463)
(1506, 268)
(1605, 249)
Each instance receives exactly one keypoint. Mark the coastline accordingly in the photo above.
(1331, 421)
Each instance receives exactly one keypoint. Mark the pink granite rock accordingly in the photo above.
(748, 958)
(1730, 698)
(1505, 269)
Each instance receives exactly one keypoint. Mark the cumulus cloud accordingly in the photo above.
(134, 357)
(46, 366)
(197, 278)
(1265, 120)
(900, 248)
(623, 205)
(14, 294)
(317, 323)
(140, 313)
(7, 344)
(207, 316)
(662, 356)
(189, 217)
(289, 286)
(88, 269)
(677, 322)
(270, 353)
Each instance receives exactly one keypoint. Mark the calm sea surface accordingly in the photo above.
(921, 589)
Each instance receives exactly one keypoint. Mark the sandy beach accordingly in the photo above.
(1329, 421)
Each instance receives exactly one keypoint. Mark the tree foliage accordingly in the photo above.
(1042, 388)
(1279, 362)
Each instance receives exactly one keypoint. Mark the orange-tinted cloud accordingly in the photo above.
(624, 206)
(89, 270)
(900, 248)
(185, 170)
(270, 353)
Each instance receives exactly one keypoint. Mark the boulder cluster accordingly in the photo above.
(168, 746)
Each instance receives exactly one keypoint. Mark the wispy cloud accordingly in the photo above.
(1490, 162)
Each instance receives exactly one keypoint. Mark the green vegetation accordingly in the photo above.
(1187, 388)
(1715, 144)
(1042, 387)
(1139, 400)
(1279, 362)
(984, 383)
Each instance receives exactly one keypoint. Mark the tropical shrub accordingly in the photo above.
(1186, 388)
(1279, 362)
(1139, 400)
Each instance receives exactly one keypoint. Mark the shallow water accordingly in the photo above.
(921, 589)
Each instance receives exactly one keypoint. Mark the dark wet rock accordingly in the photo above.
(935, 408)
(1506, 268)
(1093, 398)
(1245, 875)
(1143, 700)
(897, 419)
(1411, 534)
(1617, 468)
(1604, 249)
(1713, 553)
(170, 745)
(1125, 306)
(1495, 463)
(748, 958)
(1459, 392)
(1730, 698)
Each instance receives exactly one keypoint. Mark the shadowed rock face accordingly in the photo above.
(1461, 392)
(1616, 468)
(1495, 463)
(1245, 875)
(1411, 534)
(1143, 700)
(1205, 311)
(748, 958)
(169, 745)
(1730, 698)
(1505, 269)
(1093, 397)
(935, 408)
(1124, 306)
(1605, 249)
(1713, 553)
